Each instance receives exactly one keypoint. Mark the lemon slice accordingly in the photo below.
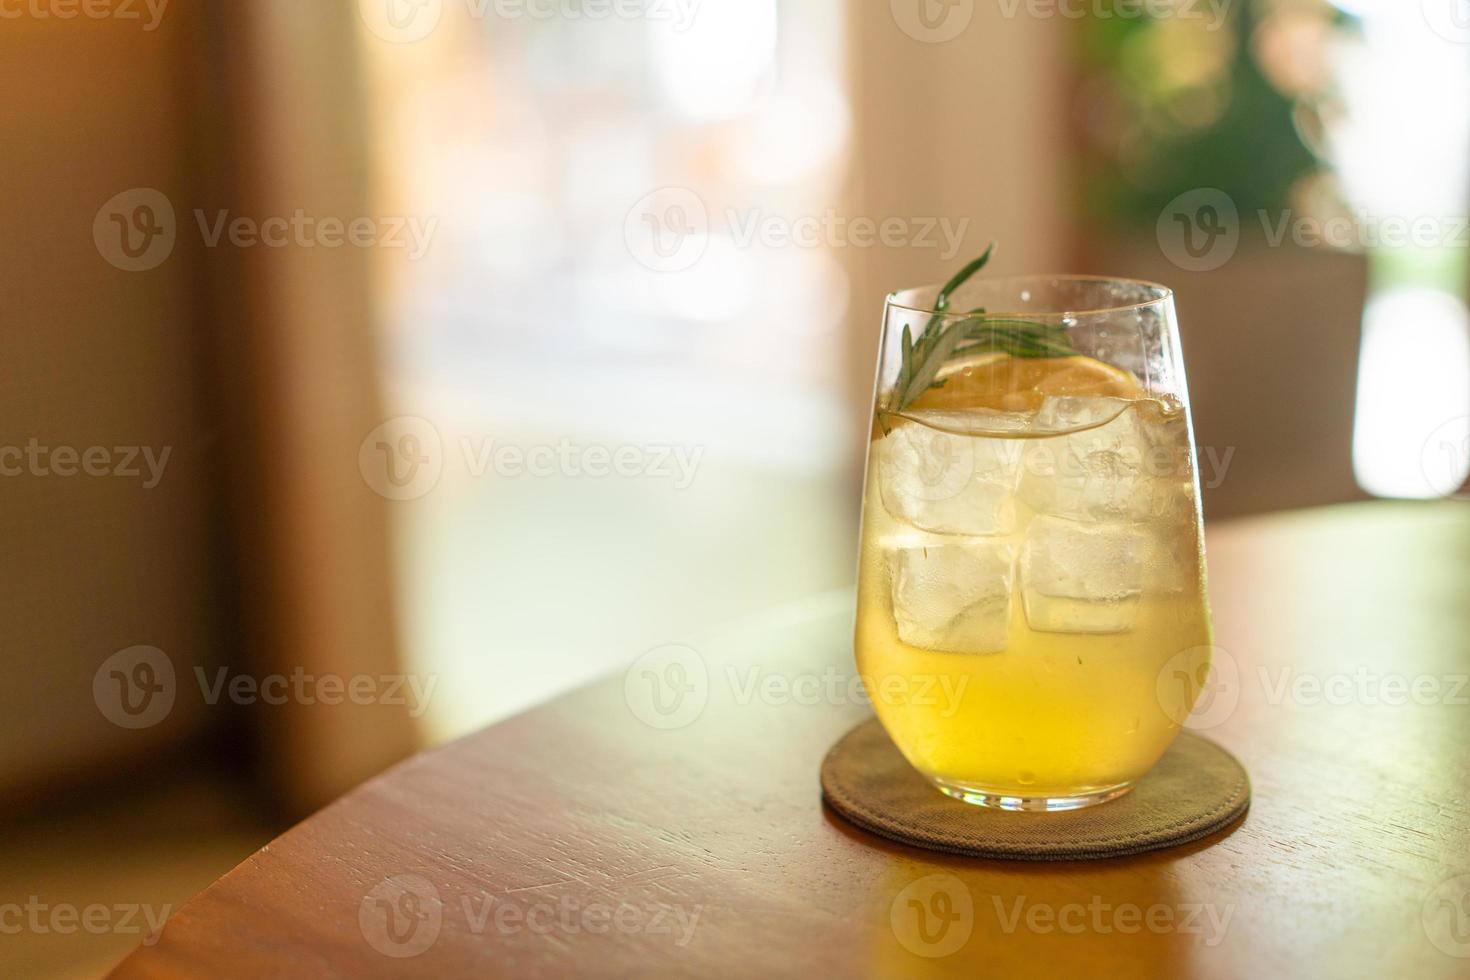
(1003, 383)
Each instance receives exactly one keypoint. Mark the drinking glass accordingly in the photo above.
(1032, 621)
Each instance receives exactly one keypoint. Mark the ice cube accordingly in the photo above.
(948, 483)
(952, 596)
(1082, 578)
(1126, 464)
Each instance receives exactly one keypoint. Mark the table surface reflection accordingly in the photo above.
(606, 833)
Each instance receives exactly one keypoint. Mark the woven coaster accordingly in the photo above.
(1196, 788)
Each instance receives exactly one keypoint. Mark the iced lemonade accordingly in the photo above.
(1032, 621)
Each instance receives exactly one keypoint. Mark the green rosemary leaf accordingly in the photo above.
(928, 370)
(962, 277)
(906, 366)
(923, 358)
(1019, 338)
(929, 354)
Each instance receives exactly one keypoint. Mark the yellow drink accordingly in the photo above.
(1031, 619)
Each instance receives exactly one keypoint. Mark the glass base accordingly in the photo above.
(1001, 800)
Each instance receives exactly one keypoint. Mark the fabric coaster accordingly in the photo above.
(1196, 789)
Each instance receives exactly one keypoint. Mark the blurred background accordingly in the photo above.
(374, 371)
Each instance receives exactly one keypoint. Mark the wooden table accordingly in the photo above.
(580, 840)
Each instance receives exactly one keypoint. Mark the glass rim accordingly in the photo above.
(1164, 294)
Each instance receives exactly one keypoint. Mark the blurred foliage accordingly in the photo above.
(1167, 105)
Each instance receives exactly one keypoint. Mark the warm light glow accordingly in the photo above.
(716, 289)
(714, 68)
(1400, 154)
(1412, 432)
(1400, 148)
(796, 134)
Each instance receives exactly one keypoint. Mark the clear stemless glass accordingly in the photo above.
(1032, 622)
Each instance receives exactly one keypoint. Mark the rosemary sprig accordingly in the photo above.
(924, 358)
